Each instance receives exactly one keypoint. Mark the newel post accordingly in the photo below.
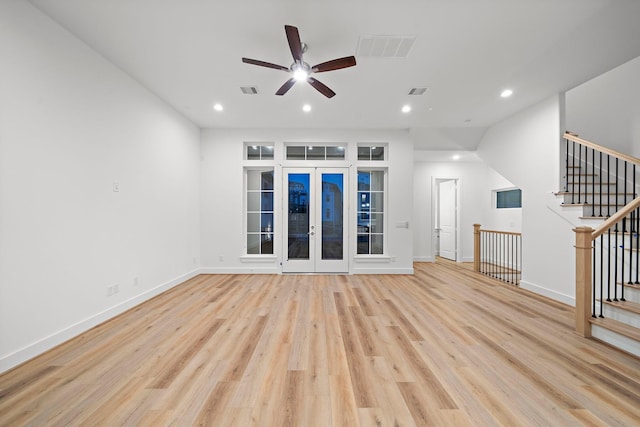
(476, 248)
(583, 280)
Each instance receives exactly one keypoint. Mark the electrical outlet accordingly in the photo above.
(116, 289)
(136, 281)
(109, 291)
(221, 258)
(116, 187)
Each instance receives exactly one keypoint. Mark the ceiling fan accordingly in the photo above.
(300, 70)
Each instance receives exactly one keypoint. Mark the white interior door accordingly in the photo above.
(447, 207)
(315, 220)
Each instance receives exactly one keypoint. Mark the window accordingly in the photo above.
(260, 221)
(371, 152)
(509, 199)
(258, 152)
(370, 212)
(315, 152)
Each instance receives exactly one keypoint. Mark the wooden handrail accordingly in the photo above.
(501, 232)
(573, 137)
(615, 218)
(586, 236)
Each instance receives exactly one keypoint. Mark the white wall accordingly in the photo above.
(501, 219)
(222, 196)
(606, 109)
(71, 124)
(525, 149)
(474, 201)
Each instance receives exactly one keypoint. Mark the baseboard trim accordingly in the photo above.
(424, 259)
(30, 351)
(566, 299)
(383, 271)
(240, 270)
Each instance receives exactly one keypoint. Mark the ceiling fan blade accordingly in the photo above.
(336, 64)
(264, 64)
(286, 86)
(294, 42)
(321, 87)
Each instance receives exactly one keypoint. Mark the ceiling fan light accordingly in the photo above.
(300, 75)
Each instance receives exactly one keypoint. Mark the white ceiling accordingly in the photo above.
(189, 53)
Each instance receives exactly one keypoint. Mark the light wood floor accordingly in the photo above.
(444, 347)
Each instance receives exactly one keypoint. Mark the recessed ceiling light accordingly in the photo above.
(306, 108)
(218, 107)
(506, 93)
(406, 108)
(456, 157)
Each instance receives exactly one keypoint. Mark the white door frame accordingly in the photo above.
(315, 263)
(435, 200)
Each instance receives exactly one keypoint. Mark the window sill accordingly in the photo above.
(371, 258)
(259, 258)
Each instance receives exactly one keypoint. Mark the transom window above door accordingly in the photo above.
(255, 151)
(368, 152)
(315, 152)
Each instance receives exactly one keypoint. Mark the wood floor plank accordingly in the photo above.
(360, 379)
(216, 403)
(389, 395)
(437, 391)
(344, 410)
(442, 347)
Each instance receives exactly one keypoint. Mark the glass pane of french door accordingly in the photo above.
(315, 215)
(298, 185)
(332, 216)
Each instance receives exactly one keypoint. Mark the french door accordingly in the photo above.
(315, 220)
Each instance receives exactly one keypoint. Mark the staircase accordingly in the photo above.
(602, 185)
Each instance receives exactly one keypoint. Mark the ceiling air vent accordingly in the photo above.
(384, 46)
(249, 90)
(417, 91)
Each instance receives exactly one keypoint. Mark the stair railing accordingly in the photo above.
(607, 261)
(596, 176)
(498, 254)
